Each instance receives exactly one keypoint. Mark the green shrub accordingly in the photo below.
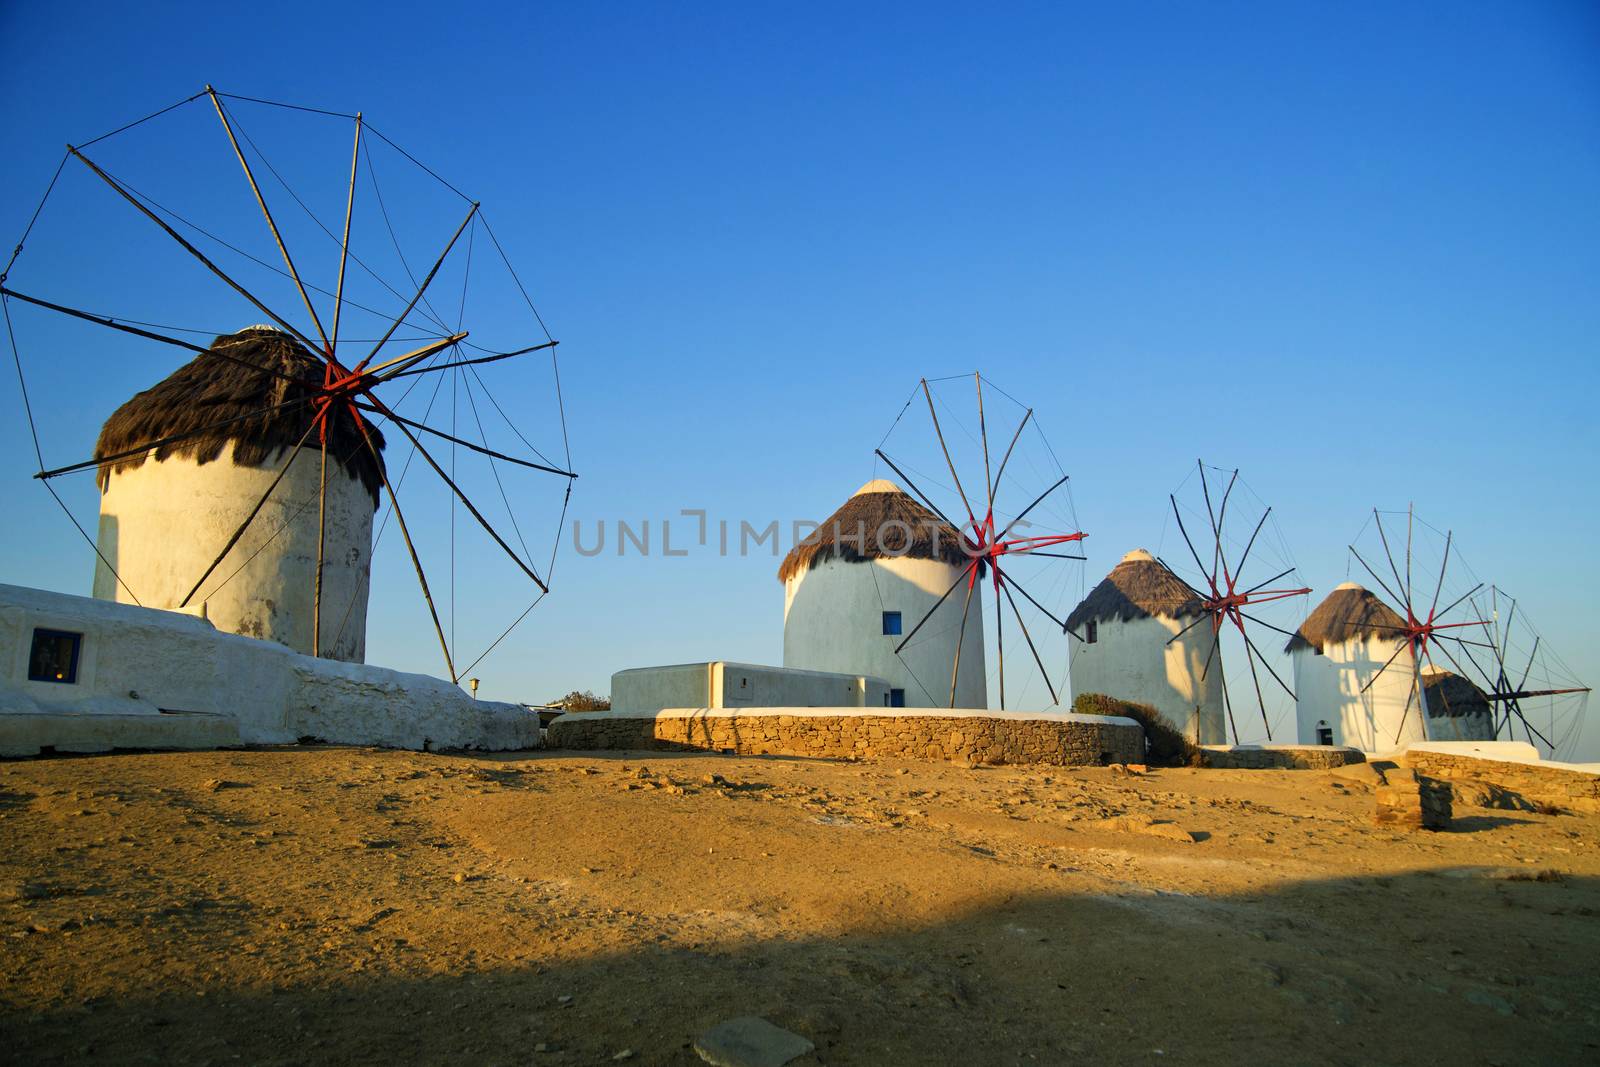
(1166, 744)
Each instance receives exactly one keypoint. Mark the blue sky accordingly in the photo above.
(1351, 249)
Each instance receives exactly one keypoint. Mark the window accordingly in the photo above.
(54, 656)
(1091, 632)
(897, 698)
(1324, 733)
(891, 623)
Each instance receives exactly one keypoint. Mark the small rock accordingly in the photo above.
(458, 878)
(1485, 999)
(750, 1041)
(625, 1054)
(565, 998)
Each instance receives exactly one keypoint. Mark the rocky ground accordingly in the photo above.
(328, 905)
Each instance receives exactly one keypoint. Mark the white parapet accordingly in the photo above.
(85, 675)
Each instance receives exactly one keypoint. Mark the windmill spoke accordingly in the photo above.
(1269, 581)
(1268, 625)
(1256, 678)
(411, 358)
(1403, 601)
(322, 545)
(988, 483)
(405, 532)
(1006, 587)
(1222, 517)
(469, 362)
(1252, 543)
(251, 517)
(999, 637)
(382, 409)
(102, 320)
(1534, 652)
(1216, 646)
(1012, 524)
(1198, 620)
(1443, 566)
(426, 281)
(921, 496)
(272, 225)
(1010, 581)
(929, 614)
(1185, 531)
(476, 514)
(971, 518)
(1249, 643)
(344, 245)
(1381, 583)
(172, 439)
(193, 251)
(1401, 648)
(961, 640)
(1001, 473)
(1405, 714)
(1227, 705)
(1458, 600)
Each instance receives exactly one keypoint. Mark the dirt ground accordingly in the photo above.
(335, 905)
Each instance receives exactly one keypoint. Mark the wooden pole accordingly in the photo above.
(272, 224)
(344, 245)
(192, 250)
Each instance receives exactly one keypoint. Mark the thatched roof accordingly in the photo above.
(872, 524)
(209, 390)
(1349, 611)
(1140, 587)
(1449, 694)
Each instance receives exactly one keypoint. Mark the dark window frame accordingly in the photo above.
(897, 623)
(896, 698)
(75, 641)
(1091, 631)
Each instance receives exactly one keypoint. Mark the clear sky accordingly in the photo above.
(1352, 249)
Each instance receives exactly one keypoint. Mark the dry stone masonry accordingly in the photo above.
(841, 733)
(1278, 757)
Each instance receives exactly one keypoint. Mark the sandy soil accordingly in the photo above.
(355, 906)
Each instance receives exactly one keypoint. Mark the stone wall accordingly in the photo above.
(1574, 790)
(977, 737)
(1278, 757)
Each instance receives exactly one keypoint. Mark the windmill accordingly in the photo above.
(1523, 679)
(1420, 631)
(1000, 541)
(310, 389)
(1228, 587)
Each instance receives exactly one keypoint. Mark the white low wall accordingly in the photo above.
(718, 684)
(160, 679)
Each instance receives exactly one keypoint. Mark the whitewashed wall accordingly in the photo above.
(722, 684)
(1328, 691)
(833, 621)
(1131, 660)
(163, 522)
(151, 678)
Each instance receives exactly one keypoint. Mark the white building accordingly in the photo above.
(82, 675)
(859, 585)
(167, 513)
(1341, 698)
(1129, 648)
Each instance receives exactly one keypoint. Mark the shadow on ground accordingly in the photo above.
(1321, 972)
